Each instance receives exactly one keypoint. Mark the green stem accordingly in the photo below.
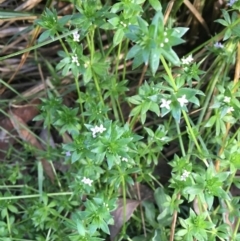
(120, 111)
(114, 106)
(100, 42)
(79, 98)
(124, 198)
(236, 230)
(8, 224)
(125, 61)
(90, 41)
(169, 73)
(172, 82)
(118, 59)
(193, 136)
(133, 121)
(36, 195)
(63, 45)
(180, 139)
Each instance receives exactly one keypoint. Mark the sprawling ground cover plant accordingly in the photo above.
(136, 104)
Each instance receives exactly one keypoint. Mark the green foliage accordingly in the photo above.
(153, 41)
(120, 124)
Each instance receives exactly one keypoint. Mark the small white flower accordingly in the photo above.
(87, 181)
(161, 45)
(165, 104)
(97, 129)
(227, 99)
(75, 60)
(76, 36)
(182, 101)
(94, 131)
(230, 109)
(101, 129)
(184, 175)
(165, 33)
(166, 40)
(124, 159)
(187, 60)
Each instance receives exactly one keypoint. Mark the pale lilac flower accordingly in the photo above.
(87, 181)
(68, 153)
(218, 45)
(76, 36)
(187, 60)
(182, 101)
(165, 104)
(75, 60)
(227, 99)
(231, 2)
(230, 109)
(184, 175)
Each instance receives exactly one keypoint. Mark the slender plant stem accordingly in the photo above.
(180, 139)
(36, 195)
(79, 98)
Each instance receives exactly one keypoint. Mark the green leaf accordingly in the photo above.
(227, 34)
(176, 112)
(45, 35)
(12, 208)
(145, 107)
(75, 157)
(193, 190)
(80, 228)
(114, 21)
(154, 60)
(133, 52)
(211, 121)
(136, 99)
(149, 131)
(179, 32)
(160, 198)
(87, 75)
(226, 16)
(118, 37)
(104, 227)
(156, 5)
(155, 108)
(135, 111)
(143, 117)
(158, 20)
(221, 21)
(150, 212)
(209, 200)
(171, 56)
(138, 60)
(143, 25)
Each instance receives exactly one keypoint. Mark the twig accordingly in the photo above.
(173, 225)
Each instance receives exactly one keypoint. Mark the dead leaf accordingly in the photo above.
(118, 215)
(8, 133)
(25, 134)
